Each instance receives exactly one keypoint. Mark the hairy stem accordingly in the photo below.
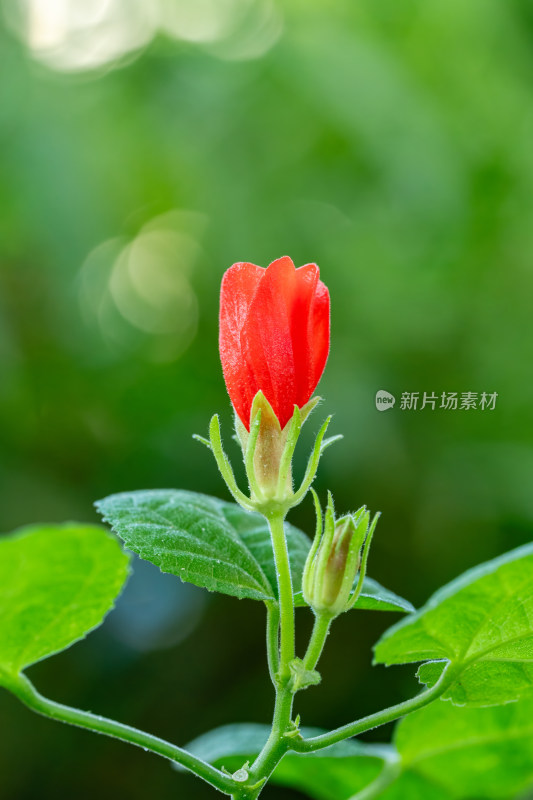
(272, 639)
(277, 744)
(317, 640)
(286, 601)
(29, 695)
(377, 719)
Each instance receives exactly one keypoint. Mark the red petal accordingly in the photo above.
(319, 330)
(266, 337)
(274, 335)
(302, 342)
(239, 286)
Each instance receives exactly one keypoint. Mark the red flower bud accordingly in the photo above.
(274, 335)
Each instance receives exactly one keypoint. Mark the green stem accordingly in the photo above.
(286, 601)
(272, 637)
(277, 743)
(377, 719)
(317, 640)
(29, 695)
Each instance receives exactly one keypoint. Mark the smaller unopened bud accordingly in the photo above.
(335, 560)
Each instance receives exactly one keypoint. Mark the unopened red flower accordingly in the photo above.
(274, 335)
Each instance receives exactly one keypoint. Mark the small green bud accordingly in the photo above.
(334, 560)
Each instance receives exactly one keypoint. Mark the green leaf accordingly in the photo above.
(216, 545)
(333, 773)
(470, 752)
(57, 582)
(376, 597)
(203, 540)
(373, 597)
(483, 624)
(412, 786)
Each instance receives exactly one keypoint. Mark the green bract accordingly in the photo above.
(57, 582)
(483, 624)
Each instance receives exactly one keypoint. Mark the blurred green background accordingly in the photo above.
(146, 145)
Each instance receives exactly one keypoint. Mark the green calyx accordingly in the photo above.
(268, 451)
(338, 555)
